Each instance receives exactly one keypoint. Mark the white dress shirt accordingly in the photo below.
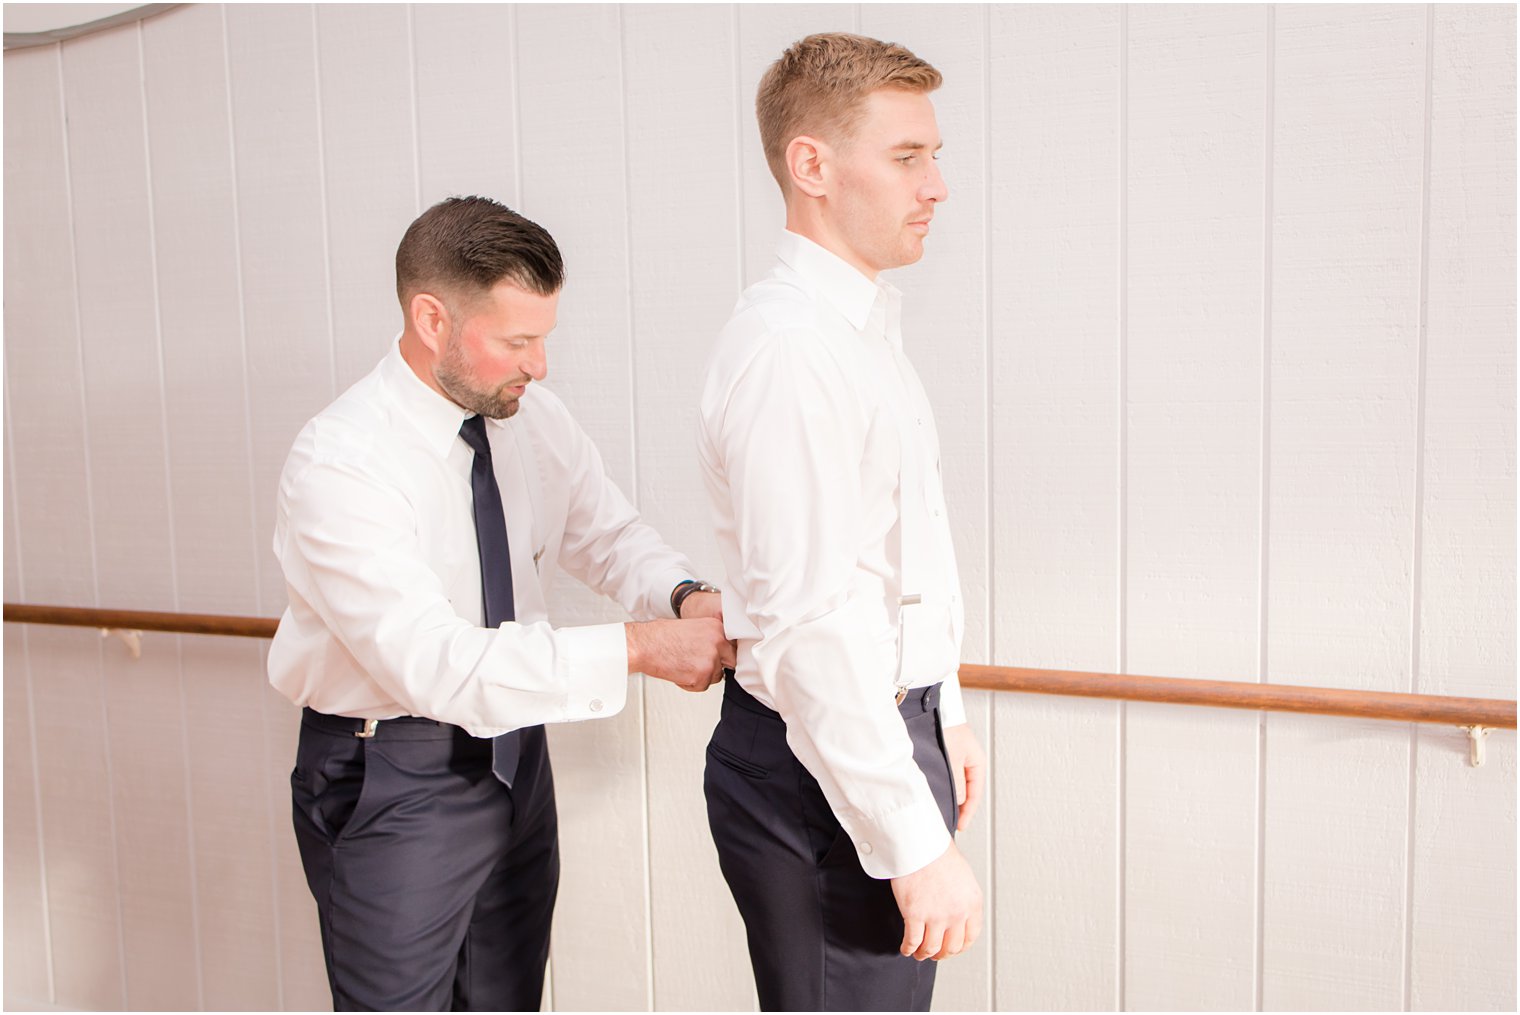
(374, 528)
(821, 458)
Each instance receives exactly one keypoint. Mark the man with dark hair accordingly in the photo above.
(842, 762)
(419, 521)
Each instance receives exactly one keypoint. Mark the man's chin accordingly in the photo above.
(911, 253)
(492, 408)
(499, 409)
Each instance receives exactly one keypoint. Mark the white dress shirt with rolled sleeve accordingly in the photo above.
(375, 531)
(821, 458)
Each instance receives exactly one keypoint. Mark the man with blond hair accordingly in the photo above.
(834, 774)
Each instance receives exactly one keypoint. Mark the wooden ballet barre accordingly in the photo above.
(1491, 713)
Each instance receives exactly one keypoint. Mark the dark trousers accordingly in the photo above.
(823, 935)
(434, 882)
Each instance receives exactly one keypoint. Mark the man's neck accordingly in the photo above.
(420, 358)
(806, 220)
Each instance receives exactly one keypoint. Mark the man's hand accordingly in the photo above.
(968, 766)
(941, 906)
(689, 653)
(702, 604)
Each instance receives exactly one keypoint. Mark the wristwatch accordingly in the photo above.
(688, 587)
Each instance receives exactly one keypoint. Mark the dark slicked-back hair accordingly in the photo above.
(459, 248)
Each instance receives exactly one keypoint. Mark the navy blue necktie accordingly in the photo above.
(495, 567)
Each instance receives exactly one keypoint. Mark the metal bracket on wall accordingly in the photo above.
(1476, 736)
(132, 639)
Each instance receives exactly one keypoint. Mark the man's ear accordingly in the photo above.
(430, 319)
(804, 163)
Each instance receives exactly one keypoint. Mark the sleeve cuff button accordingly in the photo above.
(595, 705)
(865, 847)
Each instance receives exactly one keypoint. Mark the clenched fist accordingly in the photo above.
(689, 653)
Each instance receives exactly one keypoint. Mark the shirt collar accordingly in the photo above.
(832, 277)
(435, 417)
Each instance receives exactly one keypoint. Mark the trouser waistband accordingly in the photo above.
(405, 727)
(918, 701)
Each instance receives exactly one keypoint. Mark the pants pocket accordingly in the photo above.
(718, 753)
(328, 783)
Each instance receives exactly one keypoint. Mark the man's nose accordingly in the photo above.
(934, 188)
(536, 366)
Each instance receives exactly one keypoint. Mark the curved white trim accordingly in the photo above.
(22, 40)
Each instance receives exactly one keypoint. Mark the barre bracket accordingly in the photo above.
(1476, 736)
(132, 639)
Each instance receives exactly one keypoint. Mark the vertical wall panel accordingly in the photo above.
(1463, 885)
(765, 31)
(51, 500)
(123, 386)
(196, 261)
(210, 475)
(117, 313)
(287, 320)
(79, 838)
(1347, 177)
(282, 247)
(26, 954)
(1197, 95)
(574, 184)
(364, 63)
(45, 421)
(465, 102)
(573, 148)
(680, 94)
(1054, 152)
(27, 973)
(945, 336)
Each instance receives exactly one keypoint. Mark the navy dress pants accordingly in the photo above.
(823, 934)
(435, 883)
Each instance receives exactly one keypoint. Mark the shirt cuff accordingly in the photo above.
(952, 709)
(901, 842)
(668, 580)
(595, 670)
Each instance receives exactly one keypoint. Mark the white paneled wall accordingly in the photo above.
(1219, 322)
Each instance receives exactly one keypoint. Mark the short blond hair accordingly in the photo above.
(819, 86)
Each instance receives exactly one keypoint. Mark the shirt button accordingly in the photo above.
(596, 704)
(865, 847)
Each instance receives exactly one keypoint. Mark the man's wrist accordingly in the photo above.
(689, 587)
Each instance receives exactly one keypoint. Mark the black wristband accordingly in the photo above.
(686, 588)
